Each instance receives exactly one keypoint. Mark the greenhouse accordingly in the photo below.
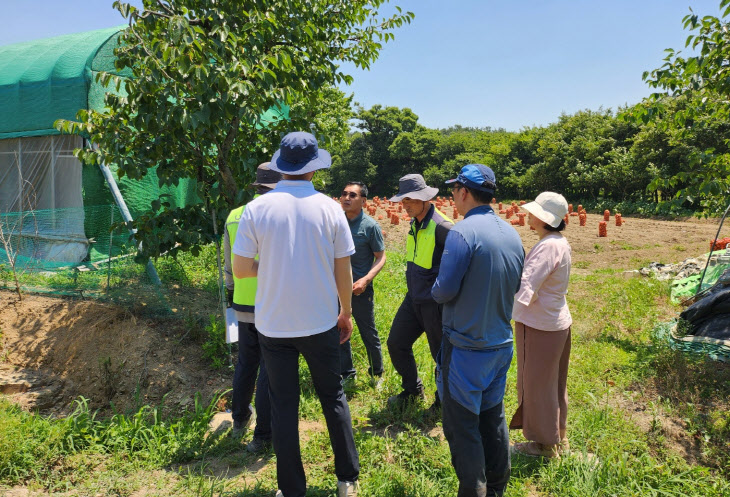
(54, 211)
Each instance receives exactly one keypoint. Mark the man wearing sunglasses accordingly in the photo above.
(367, 261)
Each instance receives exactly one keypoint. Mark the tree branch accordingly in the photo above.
(147, 13)
(144, 47)
(165, 7)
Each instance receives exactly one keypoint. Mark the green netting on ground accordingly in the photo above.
(118, 280)
(189, 284)
(718, 350)
(690, 286)
(33, 245)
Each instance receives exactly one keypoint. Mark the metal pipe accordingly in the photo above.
(712, 248)
(117, 195)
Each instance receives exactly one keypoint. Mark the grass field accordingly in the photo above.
(656, 421)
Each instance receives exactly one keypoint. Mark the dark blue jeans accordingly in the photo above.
(409, 323)
(322, 353)
(250, 363)
(479, 443)
(363, 312)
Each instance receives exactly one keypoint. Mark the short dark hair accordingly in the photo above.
(294, 177)
(363, 187)
(479, 195)
(559, 227)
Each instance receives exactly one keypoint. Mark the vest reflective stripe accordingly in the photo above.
(244, 289)
(420, 247)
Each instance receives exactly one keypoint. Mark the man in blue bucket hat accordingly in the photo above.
(304, 246)
(479, 275)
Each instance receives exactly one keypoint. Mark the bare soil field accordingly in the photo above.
(632, 245)
(54, 349)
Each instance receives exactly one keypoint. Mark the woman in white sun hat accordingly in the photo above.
(542, 332)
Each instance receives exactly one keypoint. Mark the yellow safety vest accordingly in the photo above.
(422, 242)
(244, 289)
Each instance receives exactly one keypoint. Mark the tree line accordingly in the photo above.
(596, 157)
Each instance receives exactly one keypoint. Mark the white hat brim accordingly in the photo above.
(546, 217)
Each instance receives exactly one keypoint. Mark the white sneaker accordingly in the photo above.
(279, 494)
(347, 488)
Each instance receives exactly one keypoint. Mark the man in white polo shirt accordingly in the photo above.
(304, 245)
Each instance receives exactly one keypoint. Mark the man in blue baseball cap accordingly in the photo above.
(479, 275)
(304, 246)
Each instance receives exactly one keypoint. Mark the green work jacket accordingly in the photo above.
(424, 247)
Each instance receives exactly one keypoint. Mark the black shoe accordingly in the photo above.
(405, 397)
(258, 445)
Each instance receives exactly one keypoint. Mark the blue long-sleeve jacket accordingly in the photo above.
(479, 275)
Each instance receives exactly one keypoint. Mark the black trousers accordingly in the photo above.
(364, 314)
(249, 365)
(322, 353)
(410, 322)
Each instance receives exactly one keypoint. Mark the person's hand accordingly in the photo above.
(359, 286)
(344, 324)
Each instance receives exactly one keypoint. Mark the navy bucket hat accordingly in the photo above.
(299, 154)
(477, 177)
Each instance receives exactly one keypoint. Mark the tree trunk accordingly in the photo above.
(228, 182)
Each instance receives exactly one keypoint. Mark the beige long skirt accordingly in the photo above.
(542, 376)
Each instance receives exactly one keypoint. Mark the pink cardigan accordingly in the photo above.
(540, 302)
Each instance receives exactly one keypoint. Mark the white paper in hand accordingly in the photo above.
(231, 326)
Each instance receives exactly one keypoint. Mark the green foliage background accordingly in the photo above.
(599, 158)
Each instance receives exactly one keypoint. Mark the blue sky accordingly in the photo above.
(491, 63)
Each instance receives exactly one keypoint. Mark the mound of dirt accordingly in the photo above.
(56, 349)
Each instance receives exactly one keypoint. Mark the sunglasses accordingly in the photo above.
(350, 195)
(457, 186)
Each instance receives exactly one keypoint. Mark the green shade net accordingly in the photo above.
(45, 80)
(717, 350)
(67, 230)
